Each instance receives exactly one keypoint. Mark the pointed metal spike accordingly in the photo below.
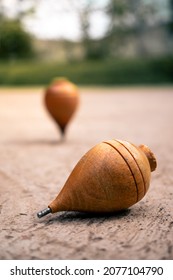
(44, 212)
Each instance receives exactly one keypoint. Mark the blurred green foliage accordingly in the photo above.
(14, 41)
(91, 72)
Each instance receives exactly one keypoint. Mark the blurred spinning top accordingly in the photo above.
(112, 176)
(61, 100)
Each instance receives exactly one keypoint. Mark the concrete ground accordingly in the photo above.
(34, 165)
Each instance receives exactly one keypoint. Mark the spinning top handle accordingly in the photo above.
(150, 156)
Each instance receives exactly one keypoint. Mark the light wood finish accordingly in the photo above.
(110, 177)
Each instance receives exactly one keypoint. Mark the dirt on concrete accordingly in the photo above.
(35, 163)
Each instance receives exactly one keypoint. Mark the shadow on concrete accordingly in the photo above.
(86, 218)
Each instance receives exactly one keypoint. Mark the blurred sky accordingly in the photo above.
(58, 19)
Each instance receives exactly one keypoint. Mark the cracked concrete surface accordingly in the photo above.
(35, 163)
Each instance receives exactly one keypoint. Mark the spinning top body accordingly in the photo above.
(110, 177)
(61, 100)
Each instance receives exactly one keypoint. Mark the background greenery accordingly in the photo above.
(25, 60)
(89, 72)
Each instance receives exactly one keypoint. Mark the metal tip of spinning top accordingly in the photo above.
(44, 212)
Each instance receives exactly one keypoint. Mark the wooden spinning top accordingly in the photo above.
(110, 177)
(61, 100)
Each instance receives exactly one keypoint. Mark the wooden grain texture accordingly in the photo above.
(34, 165)
(112, 176)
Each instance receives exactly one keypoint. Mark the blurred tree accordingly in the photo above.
(84, 10)
(116, 11)
(1, 10)
(171, 15)
(19, 9)
(127, 17)
(93, 48)
(14, 41)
